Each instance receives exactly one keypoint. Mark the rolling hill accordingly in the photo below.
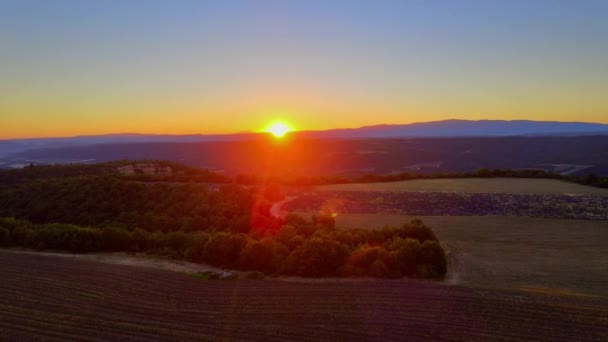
(346, 157)
(442, 146)
(445, 128)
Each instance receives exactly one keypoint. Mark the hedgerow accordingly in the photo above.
(302, 248)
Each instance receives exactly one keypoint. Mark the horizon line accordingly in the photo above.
(294, 131)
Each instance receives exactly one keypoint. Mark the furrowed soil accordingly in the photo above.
(474, 185)
(57, 298)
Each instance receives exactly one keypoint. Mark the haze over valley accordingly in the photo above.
(448, 146)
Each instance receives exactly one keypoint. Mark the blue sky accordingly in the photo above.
(85, 67)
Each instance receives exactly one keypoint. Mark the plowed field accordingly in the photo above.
(62, 298)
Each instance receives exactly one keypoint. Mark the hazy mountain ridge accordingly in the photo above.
(468, 128)
(8, 147)
(567, 155)
(151, 146)
(444, 128)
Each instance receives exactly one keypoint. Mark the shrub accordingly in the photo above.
(317, 258)
(175, 243)
(324, 220)
(379, 269)
(407, 255)
(85, 240)
(116, 239)
(5, 237)
(266, 256)
(195, 246)
(432, 255)
(223, 249)
(22, 236)
(141, 241)
(360, 260)
(370, 261)
(417, 230)
(288, 236)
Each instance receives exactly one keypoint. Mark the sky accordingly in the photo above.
(181, 67)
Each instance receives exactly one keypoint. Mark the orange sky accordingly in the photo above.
(76, 68)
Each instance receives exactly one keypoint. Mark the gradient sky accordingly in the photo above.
(91, 67)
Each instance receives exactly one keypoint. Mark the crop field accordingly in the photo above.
(534, 254)
(474, 185)
(453, 204)
(55, 298)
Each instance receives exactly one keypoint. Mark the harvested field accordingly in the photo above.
(60, 298)
(474, 185)
(453, 204)
(553, 255)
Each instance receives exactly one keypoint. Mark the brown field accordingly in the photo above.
(474, 185)
(565, 256)
(55, 298)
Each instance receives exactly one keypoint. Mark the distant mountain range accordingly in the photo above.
(446, 128)
(8, 147)
(468, 128)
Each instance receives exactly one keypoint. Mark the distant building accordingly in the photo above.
(146, 169)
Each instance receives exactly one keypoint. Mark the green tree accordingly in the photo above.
(266, 256)
(223, 249)
(317, 258)
(5, 237)
(432, 255)
(195, 247)
(407, 254)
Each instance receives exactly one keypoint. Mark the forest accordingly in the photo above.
(187, 174)
(298, 248)
(181, 172)
(228, 226)
(591, 179)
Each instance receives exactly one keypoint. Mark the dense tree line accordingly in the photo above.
(181, 173)
(299, 248)
(186, 174)
(403, 176)
(105, 200)
(227, 226)
(592, 180)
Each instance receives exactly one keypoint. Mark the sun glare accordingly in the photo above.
(278, 129)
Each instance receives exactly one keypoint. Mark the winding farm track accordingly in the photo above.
(54, 298)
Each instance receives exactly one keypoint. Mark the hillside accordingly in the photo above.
(347, 157)
(138, 170)
(109, 207)
(434, 129)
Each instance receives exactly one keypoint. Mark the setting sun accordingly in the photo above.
(278, 129)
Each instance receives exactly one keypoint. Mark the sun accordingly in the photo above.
(278, 129)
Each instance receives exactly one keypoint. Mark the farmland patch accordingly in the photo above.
(69, 299)
(565, 256)
(474, 185)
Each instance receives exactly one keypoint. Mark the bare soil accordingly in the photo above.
(57, 298)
